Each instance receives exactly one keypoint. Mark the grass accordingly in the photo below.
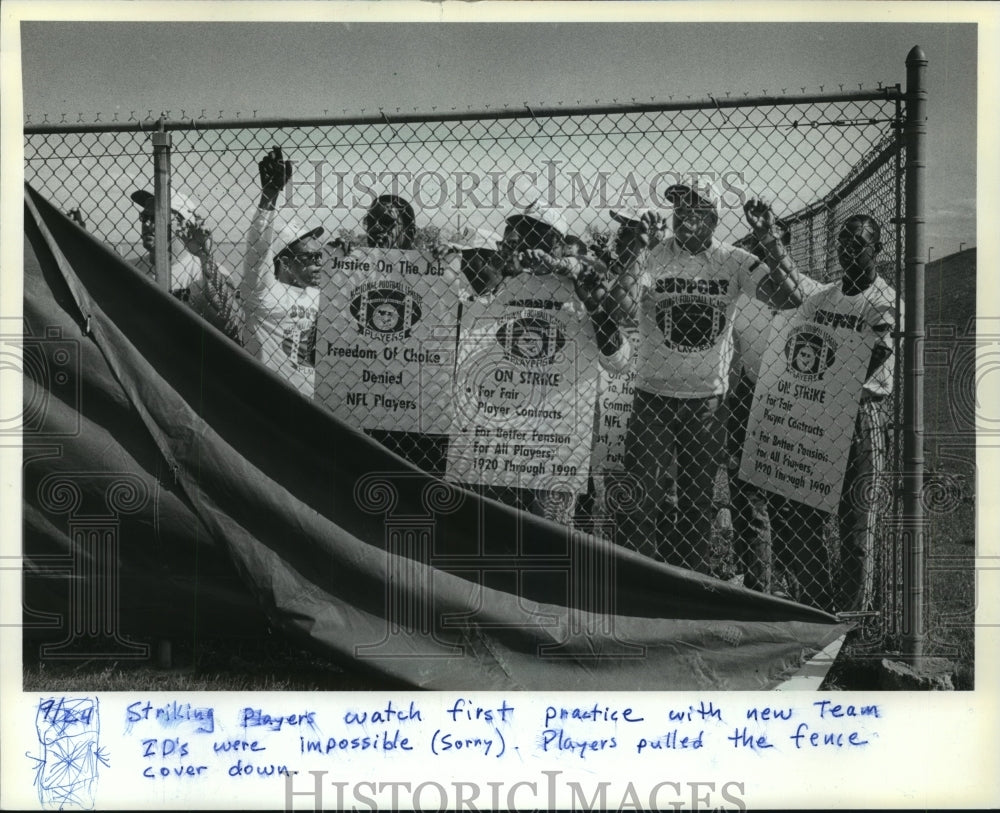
(269, 663)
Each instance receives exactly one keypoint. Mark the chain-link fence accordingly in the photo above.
(483, 294)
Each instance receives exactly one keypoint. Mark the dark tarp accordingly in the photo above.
(232, 499)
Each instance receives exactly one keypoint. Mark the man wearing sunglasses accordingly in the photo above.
(280, 286)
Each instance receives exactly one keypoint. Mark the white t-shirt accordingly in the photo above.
(278, 318)
(874, 309)
(185, 269)
(752, 326)
(686, 305)
(186, 273)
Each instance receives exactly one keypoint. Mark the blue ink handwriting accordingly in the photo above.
(239, 769)
(66, 772)
(818, 739)
(444, 742)
(566, 743)
(597, 714)
(170, 715)
(826, 707)
(379, 742)
(672, 741)
(465, 707)
(390, 714)
(703, 712)
(741, 738)
(255, 717)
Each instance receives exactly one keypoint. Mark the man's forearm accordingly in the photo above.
(609, 337)
(785, 289)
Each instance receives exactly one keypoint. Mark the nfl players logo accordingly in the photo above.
(385, 310)
(690, 322)
(531, 341)
(809, 351)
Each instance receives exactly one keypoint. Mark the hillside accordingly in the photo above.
(950, 306)
(950, 449)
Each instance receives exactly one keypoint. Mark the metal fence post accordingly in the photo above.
(161, 193)
(913, 371)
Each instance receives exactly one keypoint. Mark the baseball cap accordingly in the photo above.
(704, 195)
(288, 229)
(468, 238)
(626, 216)
(546, 215)
(186, 206)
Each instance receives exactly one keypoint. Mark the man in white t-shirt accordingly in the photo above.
(279, 291)
(208, 287)
(684, 295)
(864, 302)
(771, 535)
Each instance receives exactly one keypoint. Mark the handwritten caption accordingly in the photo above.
(181, 741)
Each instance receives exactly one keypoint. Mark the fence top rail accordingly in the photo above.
(889, 93)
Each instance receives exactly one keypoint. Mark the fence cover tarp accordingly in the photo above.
(338, 540)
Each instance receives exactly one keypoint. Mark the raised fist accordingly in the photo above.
(760, 217)
(623, 303)
(591, 287)
(274, 174)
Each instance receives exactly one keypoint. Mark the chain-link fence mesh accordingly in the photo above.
(460, 302)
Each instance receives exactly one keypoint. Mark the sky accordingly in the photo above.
(325, 67)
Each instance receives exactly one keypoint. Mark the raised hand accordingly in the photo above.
(535, 260)
(197, 237)
(652, 228)
(760, 217)
(591, 286)
(76, 216)
(275, 173)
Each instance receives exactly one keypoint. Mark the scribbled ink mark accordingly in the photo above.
(66, 772)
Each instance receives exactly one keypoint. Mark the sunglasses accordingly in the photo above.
(306, 257)
(855, 244)
(146, 217)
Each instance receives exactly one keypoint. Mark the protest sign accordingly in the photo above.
(385, 354)
(804, 406)
(614, 408)
(526, 383)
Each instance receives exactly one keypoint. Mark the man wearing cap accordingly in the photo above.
(279, 289)
(481, 264)
(538, 264)
(683, 294)
(208, 287)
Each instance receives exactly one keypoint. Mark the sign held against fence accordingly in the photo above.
(385, 354)
(804, 407)
(525, 389)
